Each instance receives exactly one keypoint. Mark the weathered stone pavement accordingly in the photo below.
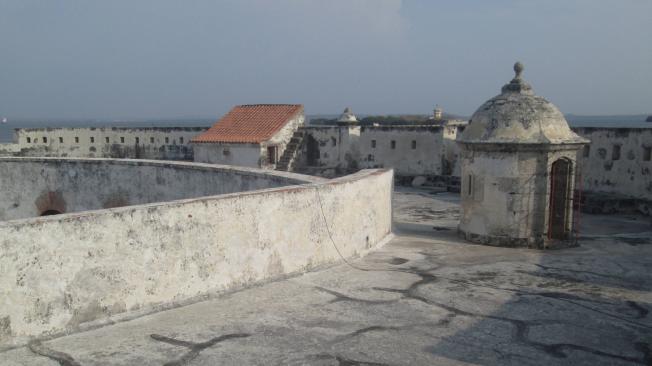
(426, 298)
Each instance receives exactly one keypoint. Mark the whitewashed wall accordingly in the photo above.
(630, 175)
(31, 186)
(247, 155)
(65, 273)
(346, 148)
(165, 143)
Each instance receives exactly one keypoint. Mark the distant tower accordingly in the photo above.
(347, 117)
(439, 112)
(518, 163)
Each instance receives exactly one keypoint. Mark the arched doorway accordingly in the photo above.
(560, 199)
(51, 212)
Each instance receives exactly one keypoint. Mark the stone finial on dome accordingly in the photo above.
(518, 69)
(517, 85)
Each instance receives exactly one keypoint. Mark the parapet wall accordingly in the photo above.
(618, 161)
(32, 186)
(69, 272)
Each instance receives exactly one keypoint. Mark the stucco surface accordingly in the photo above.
(70, 272)
(248, 155)
(630, 175)
(349, 148)
(506, 194)
(31, 186)
(517, 116)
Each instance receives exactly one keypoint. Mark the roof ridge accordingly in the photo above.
(269, 104)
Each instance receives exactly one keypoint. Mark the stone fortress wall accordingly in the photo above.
(74, 271)
(409, 150)
(619, 160)
(33, 186)
(164, 143)
(340, 149)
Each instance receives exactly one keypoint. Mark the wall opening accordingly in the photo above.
(647, 153)
(313, 151)
(61, 140)
(615, 153)
(587, 151)
(51, 212)
(414, 144)
(560, 199)
(469, 185)
(272, 154)
(393, 144)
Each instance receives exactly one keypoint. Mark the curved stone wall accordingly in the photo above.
(33, 186)
(70, 272)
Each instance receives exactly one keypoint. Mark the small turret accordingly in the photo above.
(438, 113)
(347, 117)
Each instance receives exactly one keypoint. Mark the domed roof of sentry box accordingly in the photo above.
(517, 116)
(347, 116)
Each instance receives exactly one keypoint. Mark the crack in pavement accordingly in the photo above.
(560, 296)
(521, 327)
(62, 358)
(342, 297)
(642, 312)
(345, 361)
(195, 348)
(370, 329)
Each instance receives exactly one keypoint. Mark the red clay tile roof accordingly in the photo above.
(252, 123)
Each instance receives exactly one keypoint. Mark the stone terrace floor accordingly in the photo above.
(426, 298)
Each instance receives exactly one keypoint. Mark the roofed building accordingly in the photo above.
(253, 135)
(518, 163)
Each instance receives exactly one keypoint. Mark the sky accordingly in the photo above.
(139, 59)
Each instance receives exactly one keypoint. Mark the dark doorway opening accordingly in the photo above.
(560, 199)
(51, 212)
(272, 154)
(313, 151)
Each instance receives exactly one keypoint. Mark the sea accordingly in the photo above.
(7, 129)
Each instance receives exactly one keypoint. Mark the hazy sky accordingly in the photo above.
(169, 58)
